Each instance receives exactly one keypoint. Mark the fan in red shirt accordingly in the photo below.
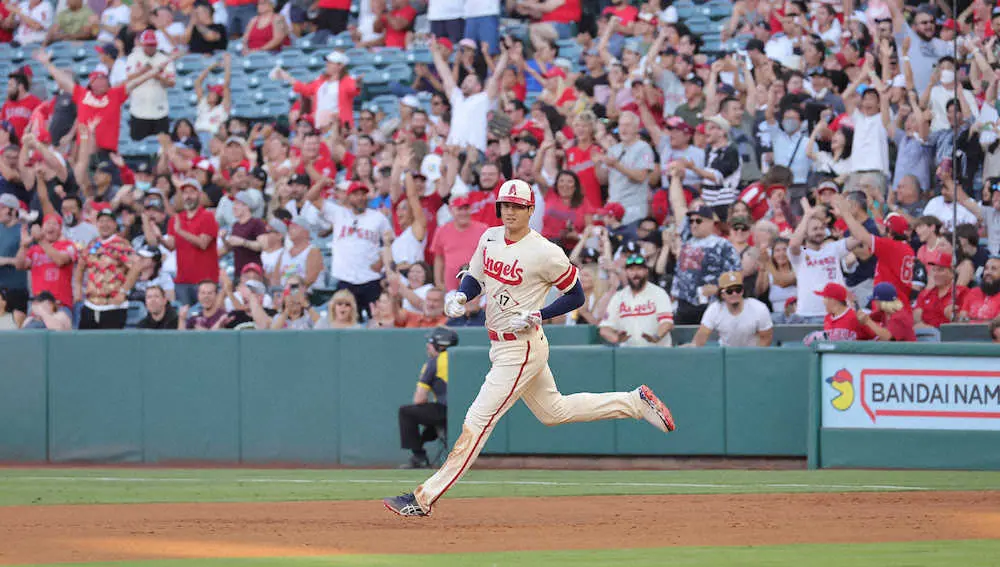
(99, 103)
(396, 23)
(20, 102)
(895, 256)
(566, 210)
(192, 233)
(51, 259)
(482, 202)
(580, 157)
(889, 320)
(983, 303)
(841, 322)
(934, 304)
(626, 12)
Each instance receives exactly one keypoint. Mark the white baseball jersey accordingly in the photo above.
(517, 277)
(638, 313)
(813, 270)
(356, 242)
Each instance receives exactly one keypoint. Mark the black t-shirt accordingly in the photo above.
(63, 116)
(169, 320)
(199, 44)
(243, 320)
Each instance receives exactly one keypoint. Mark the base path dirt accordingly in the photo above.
(51, 534)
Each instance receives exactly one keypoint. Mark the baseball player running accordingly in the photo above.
(515, 267)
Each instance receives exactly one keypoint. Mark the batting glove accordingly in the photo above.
(455, 306)
(525, 320)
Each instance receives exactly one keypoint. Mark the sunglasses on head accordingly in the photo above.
(635, 262)
(736, 289)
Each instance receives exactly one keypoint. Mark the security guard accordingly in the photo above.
(432, 415)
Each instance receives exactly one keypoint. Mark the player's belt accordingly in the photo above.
(495, 336)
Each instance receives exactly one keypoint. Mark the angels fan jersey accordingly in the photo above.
(516, 277)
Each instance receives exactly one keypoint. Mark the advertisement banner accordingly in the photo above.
(864, 391)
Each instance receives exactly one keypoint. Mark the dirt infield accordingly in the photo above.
(50, 534)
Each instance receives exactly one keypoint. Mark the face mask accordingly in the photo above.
(789, 125)
(69, 220)
(947, 77)
(143, 185)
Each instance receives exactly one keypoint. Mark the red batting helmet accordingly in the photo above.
(517, 192)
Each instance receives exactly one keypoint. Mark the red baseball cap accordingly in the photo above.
(462, 201)
(613, 209)
(896, 223)
(52, 216)
(356, 186)
(678, 123)
(948, 24)
(148, 38)
(700, 129)
(833, 291)
(446, 42)
(252, 267)
(96, 75)
(840, 225)
(940, 258)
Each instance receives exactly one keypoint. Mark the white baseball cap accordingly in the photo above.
(338, 57)
(411, 101)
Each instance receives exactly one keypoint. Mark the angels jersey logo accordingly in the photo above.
(509, 274)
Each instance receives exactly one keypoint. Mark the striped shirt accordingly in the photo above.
(725, 165)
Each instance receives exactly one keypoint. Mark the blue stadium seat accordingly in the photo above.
(291, 58)
(399, 73)
(370, 72)
(389, 56)
(190, 64)
(258, 61)
(419, 55)
(343, 40)
(359, 56)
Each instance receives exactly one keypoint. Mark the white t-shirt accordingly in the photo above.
(148, 101)
(638, 313)
(113, 17)
(356, 242)
(117, 73)
(438, 10)
(871, 143)
(937, 207)
(327, 102)
(420, 292)
(406, 249)
(480, 8)
(210, 117)
(813, 270)
(43, 14)
(469, 116)
(940, 96)
(517, 277)
(738, 330)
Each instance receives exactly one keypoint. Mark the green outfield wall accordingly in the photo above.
(331, 397)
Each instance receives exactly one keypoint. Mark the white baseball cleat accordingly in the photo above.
(654, 411)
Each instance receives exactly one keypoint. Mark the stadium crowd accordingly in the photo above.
(728, 165)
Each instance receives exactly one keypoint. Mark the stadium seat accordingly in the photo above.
(359, 56)
(190, 64)
(389, 56)
(419, 55)
(386, 103)
(291, 58)
(399, 73)
(258, 61)
(343, 40)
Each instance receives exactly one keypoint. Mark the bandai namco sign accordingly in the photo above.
(871, 391)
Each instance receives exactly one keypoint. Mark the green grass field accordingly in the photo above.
(49, 486)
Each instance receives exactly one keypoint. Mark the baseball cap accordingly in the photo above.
(106, 167)
(529, 138)
(589, 255)
(24, 73)
(940, 258)
(613, 209)
(695, 80)
(730, 279)
(411, 101)
(703, 211)
(96, 74)
(896, 223)
(357, 186)
(720, 122)
(247, 198)
(188, 182)
(154, 202)
(255, 286)
(884, 291)
(189, 143)
(10, 201)
(678, 123)
(252, 267)
(148, 38)
(300, 179)
(142, 167)
(827, 186)
(105, 212)
(833, 291)
(235, 140)
(108, 49)
(461, 201)
(338, 57)
(446, 43)
(466, 42)
(52, 216)
(45, 296)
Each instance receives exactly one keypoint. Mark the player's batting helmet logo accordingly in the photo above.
(515, 191)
